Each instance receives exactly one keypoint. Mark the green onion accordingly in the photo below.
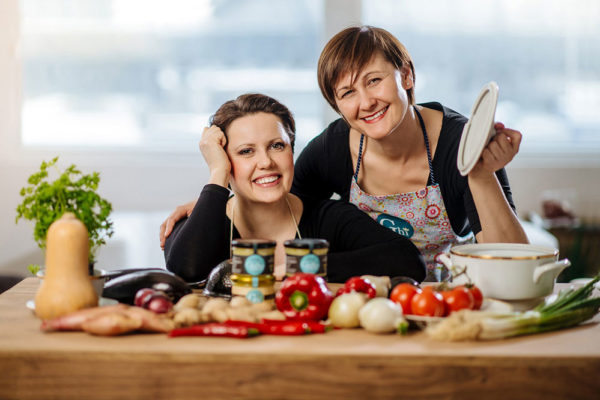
(569, 308)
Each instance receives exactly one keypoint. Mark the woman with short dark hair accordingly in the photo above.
(397, 160)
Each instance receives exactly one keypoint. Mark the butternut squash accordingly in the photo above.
(66, 286)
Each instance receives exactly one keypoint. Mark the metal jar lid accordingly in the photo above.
(253, 281)
(253, 243)
(307, 243)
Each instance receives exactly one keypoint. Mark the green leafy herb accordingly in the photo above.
(45, 201)
(34, 268)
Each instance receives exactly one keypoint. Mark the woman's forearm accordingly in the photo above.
(201, 241)
(499, 224)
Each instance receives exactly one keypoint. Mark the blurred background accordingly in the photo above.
(125, 87)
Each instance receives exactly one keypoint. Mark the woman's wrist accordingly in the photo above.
(219, 177)
(480, 175)
(482, 179)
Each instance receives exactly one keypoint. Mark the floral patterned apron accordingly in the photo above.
(420, 216)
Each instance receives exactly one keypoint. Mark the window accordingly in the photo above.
(544, 55)
(147, 74)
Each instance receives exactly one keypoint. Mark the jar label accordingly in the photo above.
(255, 296)
(308, 263)
(254, 264)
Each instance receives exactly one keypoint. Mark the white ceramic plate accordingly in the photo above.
(487, 305)
(102, 301)
(479, 130)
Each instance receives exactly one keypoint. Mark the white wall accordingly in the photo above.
(579, 185)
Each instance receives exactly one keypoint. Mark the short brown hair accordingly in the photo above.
(252, 103)
(351, 49)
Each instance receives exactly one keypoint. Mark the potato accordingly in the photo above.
(272, 315)
(214, 304)
(188, 301)
(187, 317)
(239, 301)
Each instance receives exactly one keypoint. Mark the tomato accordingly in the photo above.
(477, 296)
(358, 284)
(403, 294)
(458, 298)
(428, 302)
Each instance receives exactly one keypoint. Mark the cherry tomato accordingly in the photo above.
(358, 284)
(403, 294)
(428, 302)
(477, 296)
(458, 298)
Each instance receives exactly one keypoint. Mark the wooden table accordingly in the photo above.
(340, 364)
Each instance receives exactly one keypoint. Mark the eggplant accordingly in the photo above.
(124, 287)
(218, 283)
(115, 273)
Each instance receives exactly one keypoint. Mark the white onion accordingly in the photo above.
(381, 315)
(343, 312)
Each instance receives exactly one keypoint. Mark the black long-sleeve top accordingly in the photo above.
(325, 167)
(357, 244)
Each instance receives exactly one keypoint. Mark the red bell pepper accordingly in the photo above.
(358, 284)
(304, 297)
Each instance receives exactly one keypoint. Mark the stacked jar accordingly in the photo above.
(252, 267)
(307, 256)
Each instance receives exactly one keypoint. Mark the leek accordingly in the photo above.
(568, 308)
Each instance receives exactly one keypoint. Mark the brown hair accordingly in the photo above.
(351, 49)
(253, 103)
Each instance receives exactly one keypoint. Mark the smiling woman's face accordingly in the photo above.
(376, 102)
(262, 162)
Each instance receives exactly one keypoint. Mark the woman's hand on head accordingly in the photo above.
(212, 146)
(499, 152)
(166, 227)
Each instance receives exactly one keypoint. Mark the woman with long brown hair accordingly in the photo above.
(249, 146)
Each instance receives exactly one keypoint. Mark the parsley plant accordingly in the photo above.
(45, 201)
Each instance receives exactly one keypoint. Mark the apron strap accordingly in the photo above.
(423, 129)
(431, 176)
(359, 158)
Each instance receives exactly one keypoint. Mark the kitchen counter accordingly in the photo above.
(339, 364)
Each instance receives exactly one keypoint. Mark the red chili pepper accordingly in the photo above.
(276, 327)
(358, 284)
(318, 327)
(288, 328)
(309, 326)
(304, 297)
(216, 330)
